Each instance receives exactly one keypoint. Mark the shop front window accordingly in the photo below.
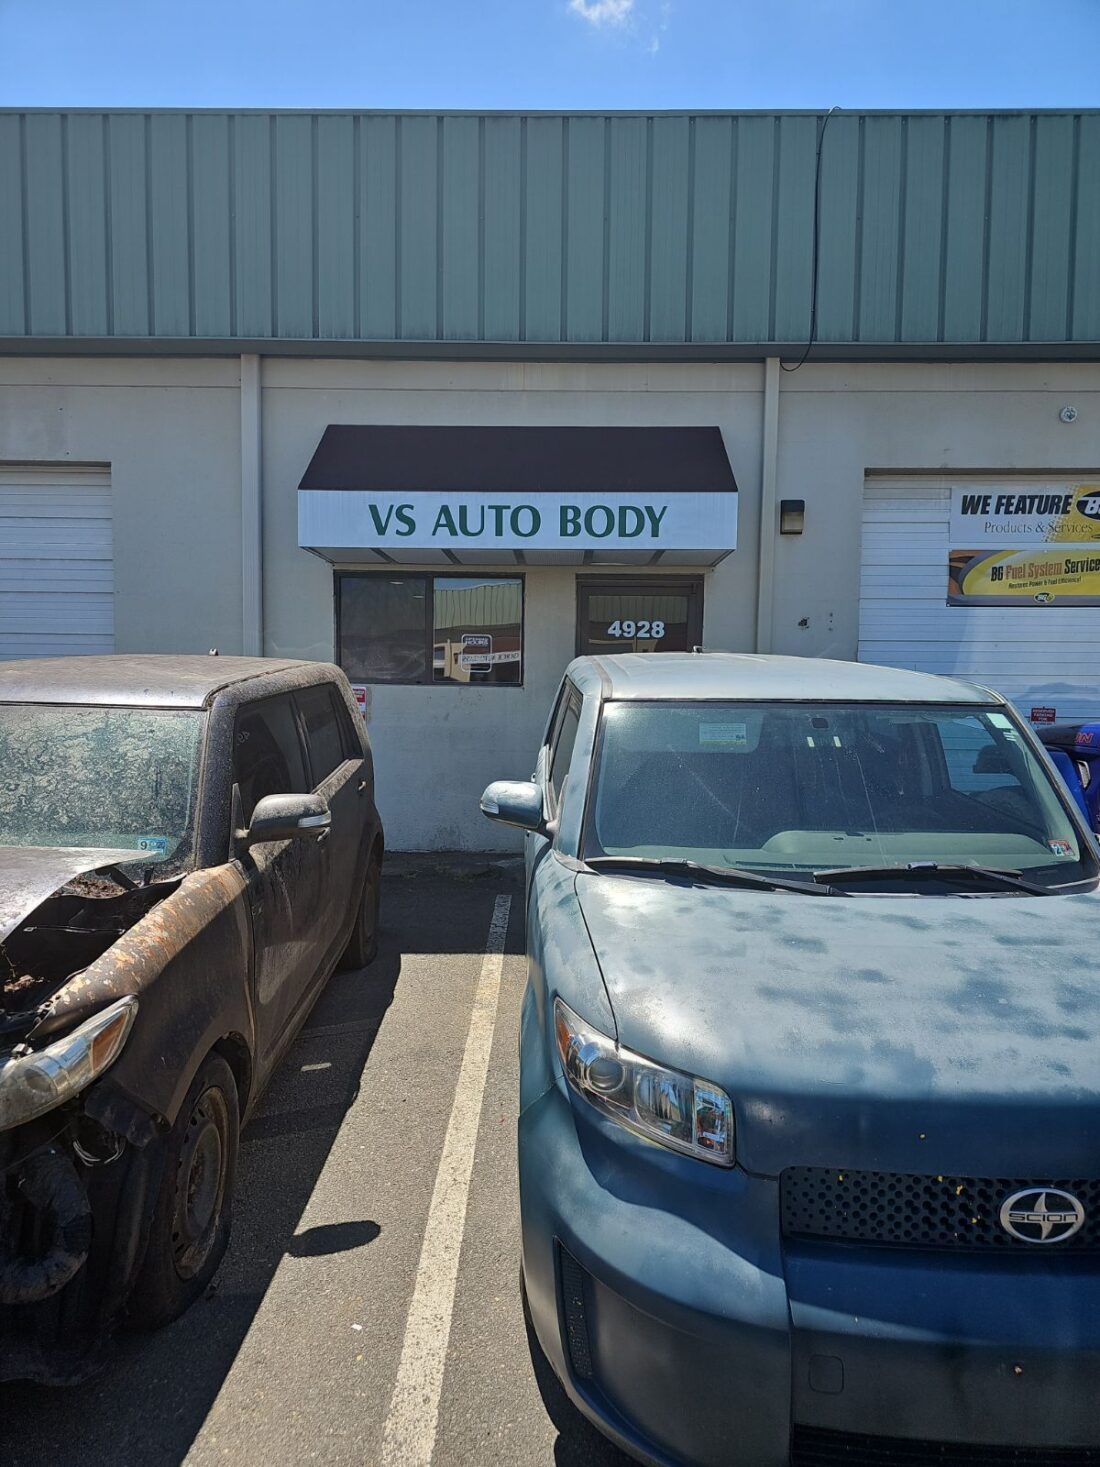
(430, 629)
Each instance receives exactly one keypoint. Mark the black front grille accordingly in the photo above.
(903, 1210)
(813, 1448)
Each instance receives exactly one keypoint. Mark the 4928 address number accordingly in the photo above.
(645, 630)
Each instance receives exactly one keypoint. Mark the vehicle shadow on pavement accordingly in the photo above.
(148, 1404)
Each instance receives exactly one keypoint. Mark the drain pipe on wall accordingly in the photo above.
(765, 583)
(252, 603)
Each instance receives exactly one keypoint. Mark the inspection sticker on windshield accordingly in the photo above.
(724, 735)
(998, 720)
(1060, 847)
(153, 845)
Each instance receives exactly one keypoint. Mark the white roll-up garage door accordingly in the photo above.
(1042, 657)
(56, 560)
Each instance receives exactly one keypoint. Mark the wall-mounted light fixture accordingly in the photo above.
(792, 516)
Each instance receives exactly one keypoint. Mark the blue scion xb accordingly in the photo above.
(809, 1137)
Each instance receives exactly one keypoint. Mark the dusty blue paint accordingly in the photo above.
(574, 229)
(927, 1036)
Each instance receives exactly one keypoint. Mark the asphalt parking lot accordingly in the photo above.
(368, 1309)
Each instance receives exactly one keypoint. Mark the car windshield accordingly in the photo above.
(118, 777)
(795, 788)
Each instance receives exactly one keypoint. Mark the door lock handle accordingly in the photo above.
(361, 787)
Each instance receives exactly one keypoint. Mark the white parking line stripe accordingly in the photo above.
(409, 1437)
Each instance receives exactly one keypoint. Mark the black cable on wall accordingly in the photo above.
(816, 245)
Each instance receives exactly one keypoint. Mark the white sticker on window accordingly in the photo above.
(998, 720)
(724, 735)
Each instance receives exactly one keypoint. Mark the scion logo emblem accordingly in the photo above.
(1042, 1215)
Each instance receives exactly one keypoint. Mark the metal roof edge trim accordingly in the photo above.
(14, 110)
(548, 351)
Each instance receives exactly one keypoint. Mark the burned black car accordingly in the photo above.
(188, 847)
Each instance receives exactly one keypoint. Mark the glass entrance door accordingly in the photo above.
(652, 615)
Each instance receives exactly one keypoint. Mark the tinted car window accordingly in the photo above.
(563, 750)
(323, 731)
(267, 754)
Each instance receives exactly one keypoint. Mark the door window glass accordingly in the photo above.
(633, 616)
(563, 750)
(326, 745)
(267, 753)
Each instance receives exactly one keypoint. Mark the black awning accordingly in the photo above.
(486, 495)
(491, 460)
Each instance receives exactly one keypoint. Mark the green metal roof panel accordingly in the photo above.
(584, 231)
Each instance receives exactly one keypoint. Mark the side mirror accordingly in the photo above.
(288, 817)
(514, 802)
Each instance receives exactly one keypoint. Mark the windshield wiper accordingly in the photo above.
(988, 875)
(712, 875)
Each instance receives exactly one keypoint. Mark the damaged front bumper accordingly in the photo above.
(74, 1152)
(75, 1206)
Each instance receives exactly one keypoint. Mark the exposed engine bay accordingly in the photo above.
(70, 930)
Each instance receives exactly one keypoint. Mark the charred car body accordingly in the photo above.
(188, 848)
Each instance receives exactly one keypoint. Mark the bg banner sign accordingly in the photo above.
(1039, 547)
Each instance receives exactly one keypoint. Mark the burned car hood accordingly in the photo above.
(31, 874)
(911, 1034)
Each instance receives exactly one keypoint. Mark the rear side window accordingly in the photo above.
(267, 753)
(563, 750)
(324, 731)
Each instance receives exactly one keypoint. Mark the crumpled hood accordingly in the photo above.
(30, 874)
(923, 1034)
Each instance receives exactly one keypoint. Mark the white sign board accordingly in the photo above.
(477, 651)
(470, 520)
(363, 699)
(988, 516)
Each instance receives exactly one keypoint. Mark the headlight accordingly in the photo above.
(678, 1110)
(32, 1084)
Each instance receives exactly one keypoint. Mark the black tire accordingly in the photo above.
(362, 948)
(191, 1222)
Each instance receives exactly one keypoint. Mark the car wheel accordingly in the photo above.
(362, 948)
(190, 1228)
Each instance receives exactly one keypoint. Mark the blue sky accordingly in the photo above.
(550, 53)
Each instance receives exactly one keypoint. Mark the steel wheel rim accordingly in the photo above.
(200, 1183)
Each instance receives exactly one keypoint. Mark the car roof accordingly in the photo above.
(706, 675)
(138, 681)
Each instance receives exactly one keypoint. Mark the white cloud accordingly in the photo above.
(603, 12)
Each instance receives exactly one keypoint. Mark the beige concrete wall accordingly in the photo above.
(171, 431)
(437, 747)
(837, 421)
